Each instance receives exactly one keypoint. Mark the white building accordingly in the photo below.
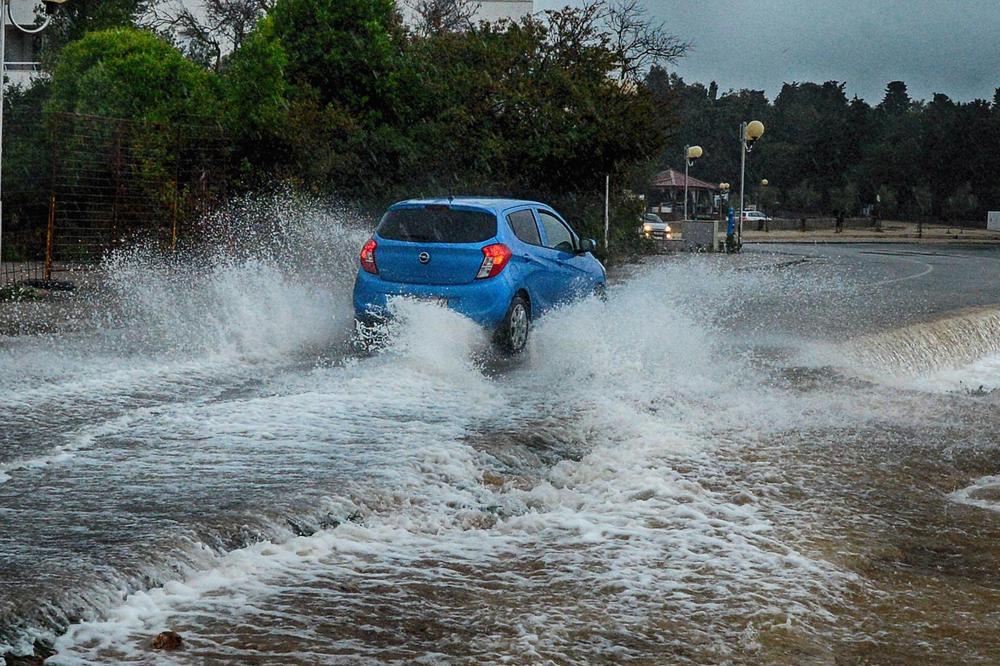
(494, 10)
(486, 10)
(22, 49)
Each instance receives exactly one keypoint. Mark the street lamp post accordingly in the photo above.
(723, 199)
(691, 153)
(725, 189)
(6, 16)
(750, 132)
(760, 205)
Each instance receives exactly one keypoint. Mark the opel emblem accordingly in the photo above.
(424, 257)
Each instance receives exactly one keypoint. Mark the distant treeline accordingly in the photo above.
(823, 153)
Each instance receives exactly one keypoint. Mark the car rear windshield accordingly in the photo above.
(437, 224)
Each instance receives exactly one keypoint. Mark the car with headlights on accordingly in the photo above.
(654, 228)
(500, 262)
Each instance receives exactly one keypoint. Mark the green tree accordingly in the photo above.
(897, 100)
(255, 99)
(27, 169)
(804, 198)
(806, 139)
(132, 74)
(529, 108)
(844, 199)
(770, 196)
(888, 202)
(961, 204)
(345, 51)
(923, 201)
(510, 108)
(893, 159)
(79, 17)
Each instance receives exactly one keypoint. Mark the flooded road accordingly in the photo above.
(784, 457)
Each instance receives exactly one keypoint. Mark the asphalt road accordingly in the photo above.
(867, 287)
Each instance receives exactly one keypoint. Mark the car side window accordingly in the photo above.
(558, 236)
(523, 224)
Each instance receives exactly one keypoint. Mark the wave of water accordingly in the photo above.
(926, 349)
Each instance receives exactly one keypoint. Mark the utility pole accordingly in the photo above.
(691, 153)
(607, 210)
(750, 132)
(743, 171)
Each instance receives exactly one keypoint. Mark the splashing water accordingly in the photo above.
(650, 480)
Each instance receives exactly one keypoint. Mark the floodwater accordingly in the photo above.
(785, 457)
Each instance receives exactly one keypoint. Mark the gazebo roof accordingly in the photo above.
(672, 178)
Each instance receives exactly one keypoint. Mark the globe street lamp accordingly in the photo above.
(6, 16)
(691, 153)
(750, 133)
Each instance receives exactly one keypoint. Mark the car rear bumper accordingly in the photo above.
(483, 301)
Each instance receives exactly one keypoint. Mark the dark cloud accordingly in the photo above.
(947, 46)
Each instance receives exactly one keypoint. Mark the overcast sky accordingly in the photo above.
(949, 46)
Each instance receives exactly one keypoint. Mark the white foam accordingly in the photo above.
(980, 376)
(635, 516)
(987, 485)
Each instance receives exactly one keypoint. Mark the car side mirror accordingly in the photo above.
(587, 245)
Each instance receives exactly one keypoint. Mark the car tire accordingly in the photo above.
(369, 334)
(512, 335)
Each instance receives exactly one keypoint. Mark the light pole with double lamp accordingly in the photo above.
(691, 153)
(724, 190)
(723, 200)
(7, 17)
(750, 133)
(760, 205)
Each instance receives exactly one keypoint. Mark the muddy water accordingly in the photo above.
(725, 462)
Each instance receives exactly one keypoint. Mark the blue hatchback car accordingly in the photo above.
(500, 262)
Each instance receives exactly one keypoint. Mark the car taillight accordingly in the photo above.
(368, 256)
(495, 259)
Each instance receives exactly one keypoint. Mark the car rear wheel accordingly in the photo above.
(512, 335)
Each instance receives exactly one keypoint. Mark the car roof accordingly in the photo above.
(491, 204)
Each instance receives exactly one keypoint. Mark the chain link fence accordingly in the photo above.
(78, 186)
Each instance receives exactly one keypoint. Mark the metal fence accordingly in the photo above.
(77, 186)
